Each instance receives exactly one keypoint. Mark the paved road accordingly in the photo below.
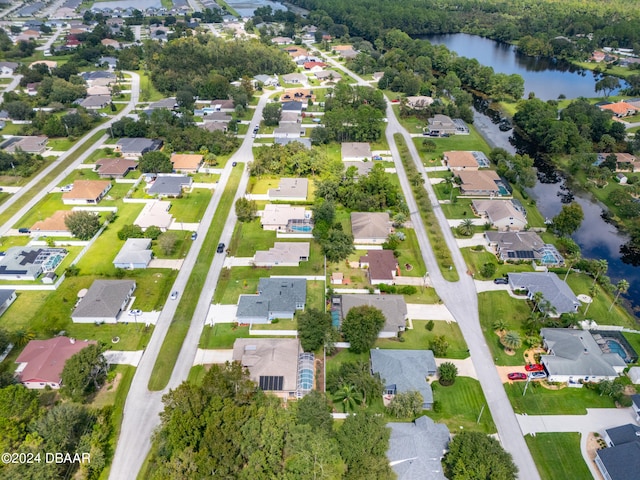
(461, 298)
(143, 407)
(15, 81)
(47, 46)
(135, 87)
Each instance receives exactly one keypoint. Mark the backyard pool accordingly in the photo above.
(301, 228)
(616, 347)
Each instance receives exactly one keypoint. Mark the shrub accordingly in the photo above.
(447, 373)
(429, 325)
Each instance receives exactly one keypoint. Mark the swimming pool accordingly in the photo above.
(301, 228)
(615, 347)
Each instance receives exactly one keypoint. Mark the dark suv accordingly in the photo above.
(501, 281)
(220, 248)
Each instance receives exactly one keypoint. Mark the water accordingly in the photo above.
(246, 7)
(547, 77)
(615, 347)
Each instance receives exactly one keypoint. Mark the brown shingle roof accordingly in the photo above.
(460, 159)
(86, 189)
(115, 166)
(55, 223)
(186, 161)
(382, 264)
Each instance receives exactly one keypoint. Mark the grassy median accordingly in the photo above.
(182, 320)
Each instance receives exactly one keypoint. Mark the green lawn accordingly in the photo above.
(558, 455)
(410, 254)
(249, 237)
(182, 319)
(278, 324)
(476, 260)
(460, 406)
(460, 207)
(148, 92)
(191, 206)
(222, 335)
(419, 337)
(60, 144)
(567, 401)
(499, 305)
(134, 336)
(473, 142)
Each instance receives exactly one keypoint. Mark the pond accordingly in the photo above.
(246, 7)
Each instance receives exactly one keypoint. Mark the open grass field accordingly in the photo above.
(473, 141)
(476, 260)
(419, 338)
(567, 401)
(557, 455)
(460, 406)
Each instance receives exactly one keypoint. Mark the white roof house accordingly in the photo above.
(279, 216)
(292, 189)
(156, 214)
(135, 253)
(283, 254)
(370, 227)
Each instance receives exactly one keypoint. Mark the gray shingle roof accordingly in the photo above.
(169, 184)
(406, 369)
(554, 290)
(5, 295)
(366, 225)
(415, 449)
(104, 298)
(138, 145)
(135, 251)
(576, 353)
(274, 295)
(393, 307)
(622, 462)
(624, 434)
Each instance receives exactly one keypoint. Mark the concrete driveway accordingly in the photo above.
(417, 311)
(120, 357)
(208, 357)
(221, 314)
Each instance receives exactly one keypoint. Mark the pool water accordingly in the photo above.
(303, 228)
(503, 190)
(615, 347)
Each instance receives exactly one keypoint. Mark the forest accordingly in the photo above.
(540, 24)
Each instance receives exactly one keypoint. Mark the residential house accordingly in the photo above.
(186, 163)
(32, 88)
(305, 142)
(328, 75)
(283, 218)
(621, 178)
(481, 183)
(277, 365)
(381, 265)
(619, 109)
(405, 371)
(117, 167)
(98, 77)
(621, 460)
(341, 48)
(109, 42)
(210, 115)
(624, 161)
(169, 185)
(281, 40)
(155, 214)
(86, 192)
(419, 102)
(50, 64)
(355, 151)
(348, 54)
(267, 80)
(223, 106)
(276, 298)
(28, 144)
(41, 362)
(528, 246)
(99, 90)
(136, 147)
(416, 449)
(314, 66)
(8, 68)
(294, 107)
(370, 227)
(501, 214)
(28, 263)
(282, 254)
(104, 301)
(7, 297)
(170, 103)
(465, 160)
(110, 62)
(135, 253)
(361, 168)
(441, 124)
(555, 291)
(94, 102)
(298, 95)
(214, 126)
(297, 54)
(54, 226)
(290, 189)
(393, 307)
(574, 356)
(289, 117)
(294, 78)
(635, 401)
(289, 130)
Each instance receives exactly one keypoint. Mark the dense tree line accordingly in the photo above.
(293, 159)
(20, 164)
(537, 27)
(229, 427)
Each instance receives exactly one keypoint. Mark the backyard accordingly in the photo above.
(557, 455)
(419, 338)
(539, 400)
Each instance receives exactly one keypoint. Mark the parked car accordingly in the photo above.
(174, 295)
(194, 235)
(66, 188)
(538, 375)
(501, 281)
(517, 376)
(234, 164)
(445, 135)
(534, 367)
(24, 230)
(220, 248)
(135, 312)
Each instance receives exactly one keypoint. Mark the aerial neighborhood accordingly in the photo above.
(272, 241)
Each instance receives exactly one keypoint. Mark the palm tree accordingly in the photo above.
(593, 291)
(499, 325)
(570, 260)
(22, 337)
(537, 299)
(621, 287)
(599, 267)
(349, 396)
(466, 227)
(511, 340)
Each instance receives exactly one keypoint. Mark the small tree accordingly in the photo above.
(313, 326)
(155, 162)
(349, 397)
(447, 373)
(488, 269)
(83, 373)
(466, 228)
(406, 404)
(82, 225)
(152, 232)
(511, 340)
(429, 325)
(130, 231)
(245, 209)
(167, 242)
(361, 327)
(439, 345)
(476, 455)
(621, 287)
(271, 114)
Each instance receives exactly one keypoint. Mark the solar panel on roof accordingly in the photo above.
(271, 383)
(524, 254)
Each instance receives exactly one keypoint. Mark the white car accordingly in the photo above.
(135, 312)
(66, 188)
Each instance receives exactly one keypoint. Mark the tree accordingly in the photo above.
(568, 220)
(155, 162)
(406, 404)
(439, 345)
(82, 224)
(361, 327)
(466, 227)
(167, 242)
(337, 245)
(478, 456)
(312, 455)
(5, 340)
(488, 269)
(599, 267)
(314, 410)
(18, 407)
(313, 326)
(152, 232)
(621, 287)
(349, 397)
(18, 110)
(607, 85)
(245, 209)
(271, 114)
(447, 373)
(511, 340)
(83, 373)
(130, 231)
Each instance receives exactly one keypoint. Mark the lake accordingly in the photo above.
(546, 77)
(246, 7)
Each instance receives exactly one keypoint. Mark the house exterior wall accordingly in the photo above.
(41, 385)
(7, 303)
(369, 241)
(130, 266)
(94, 319)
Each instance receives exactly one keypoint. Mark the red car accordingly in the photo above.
(534, 367)
(517, 376)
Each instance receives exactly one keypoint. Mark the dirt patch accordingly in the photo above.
(530, 354)
(504, 371)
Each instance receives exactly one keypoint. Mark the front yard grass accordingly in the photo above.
(460, 405)
(222, 335)
(419, 338)
(280, 324)
(471, 142)
(494, 306)
(542, 401)
(558, 455)
(191, 206)
(475, 260)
